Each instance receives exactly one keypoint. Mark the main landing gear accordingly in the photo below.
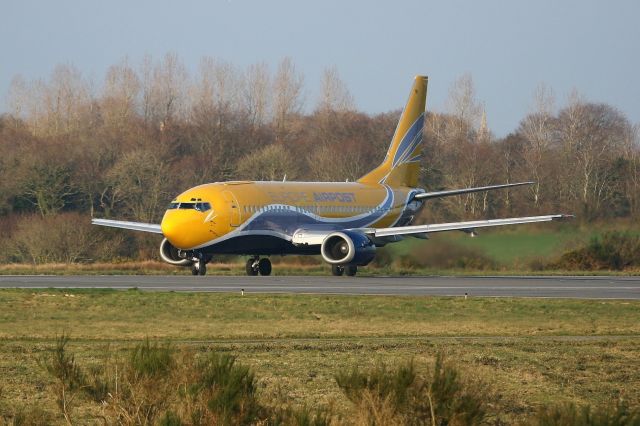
(255, 266)
(339, 270)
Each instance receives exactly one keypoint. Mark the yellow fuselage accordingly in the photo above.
(274, 210)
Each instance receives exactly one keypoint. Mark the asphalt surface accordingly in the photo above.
(544, 287)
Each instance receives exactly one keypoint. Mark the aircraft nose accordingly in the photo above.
(174, 230)
(184, 229)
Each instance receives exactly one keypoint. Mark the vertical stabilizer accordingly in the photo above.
(401, 165)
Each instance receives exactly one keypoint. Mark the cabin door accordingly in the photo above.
(235, 218)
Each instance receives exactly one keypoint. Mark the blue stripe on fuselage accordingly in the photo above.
(286, 219)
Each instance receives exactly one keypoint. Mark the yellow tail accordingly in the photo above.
(401, 166)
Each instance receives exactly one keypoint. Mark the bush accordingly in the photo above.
(228, 389)
(62, 238)
(611, 251)
(151, 360)
(572, 415)
(402, 396)
(69, 377)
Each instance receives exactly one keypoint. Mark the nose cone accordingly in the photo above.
(181, 230)
(171, 228)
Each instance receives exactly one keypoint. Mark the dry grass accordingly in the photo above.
(529, 352)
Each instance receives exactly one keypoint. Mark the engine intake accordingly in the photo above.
(347, 247)
(171, 255)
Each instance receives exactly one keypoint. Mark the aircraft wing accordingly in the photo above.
(447, 193)
(136, 226)
(459, 226)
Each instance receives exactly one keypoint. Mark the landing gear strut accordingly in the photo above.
(199, 266)
(255, 266)
(339, 270)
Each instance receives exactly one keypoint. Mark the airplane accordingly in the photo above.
(344, 222)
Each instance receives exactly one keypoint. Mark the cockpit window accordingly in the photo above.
(199, 206)
(202, 207)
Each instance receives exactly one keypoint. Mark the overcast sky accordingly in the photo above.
(509, 47)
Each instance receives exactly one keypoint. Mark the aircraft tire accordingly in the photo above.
(249, 268)
(264, 267)
(194, 270)
(202, 268)
(337, 270)
(351, 270)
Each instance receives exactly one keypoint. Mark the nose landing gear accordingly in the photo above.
(255, 266)
(199, 266)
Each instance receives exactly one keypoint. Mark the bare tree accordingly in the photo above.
(592, 137)
(632, 156)
(334, 94)
(287, 88)
(164, 90)
(256, 93)
(538, 130)
(139, 180)
(217, 90)
(120, 93)
(463, 105)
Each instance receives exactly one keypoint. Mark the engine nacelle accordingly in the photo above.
(347, 247)
(170, 254)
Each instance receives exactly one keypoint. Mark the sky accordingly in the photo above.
(509, 47)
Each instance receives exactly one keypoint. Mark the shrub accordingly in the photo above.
(151, 360)
(69, 377)
(612, 251)
(228, 389)
(572, 415)
(402, 396)
(62, 238)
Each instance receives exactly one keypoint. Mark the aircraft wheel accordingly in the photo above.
(264, 267)
(351, 270)
(202, 268)
(337, 270)
(251, 271)
(194, 270)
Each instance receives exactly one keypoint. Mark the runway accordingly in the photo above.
(485, 286)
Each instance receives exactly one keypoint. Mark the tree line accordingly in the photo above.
(124, 148)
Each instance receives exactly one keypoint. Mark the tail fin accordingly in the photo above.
(401, 165)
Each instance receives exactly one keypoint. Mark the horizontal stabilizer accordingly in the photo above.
(459, 226)
(135, 226)
(438, 194)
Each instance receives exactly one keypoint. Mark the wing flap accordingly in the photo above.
(459, 226)
(448, 193)
(135, 226)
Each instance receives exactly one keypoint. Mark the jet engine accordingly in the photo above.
(347, 247)
(171, 255)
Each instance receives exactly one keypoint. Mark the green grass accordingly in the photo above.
(507, 246)
(122, 315)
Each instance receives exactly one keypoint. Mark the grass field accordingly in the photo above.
(528, 352)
